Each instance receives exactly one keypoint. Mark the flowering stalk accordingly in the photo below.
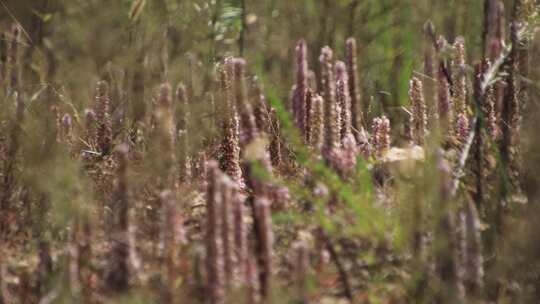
(230, 150)
(172, 238)
(247, 120)
(380, 135)
(429, 66)
(474, 269)
(300, 89)
(264, 241)
(117, 277)
(444, 99)
(260, 110)
(90, 125)
(332, 120)
(214, 245)
(490, 112)
(181, 118)
(3, 60)
(240, 234)
(14, 59)
(301, 270)
(446, 249)
(419, 111)
(316, 122)
(462, 128)
(343, 100)
(357, 115)
(252, 283)
(10, 162)
(165, 135)
(103, 130)
(227, 229)
(275, 140)
(460, 77)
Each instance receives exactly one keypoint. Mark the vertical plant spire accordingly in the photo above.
(117, 278)
(300, 89)
(460, 77)
(419, 111)
(261, 109)
(214, 245)
(90, 125)
(9, 166)
(14, 59)
(181, 118)
(165, 134)
(301, 270)
(429, 67)
(510, 109)
(445, 105)
(380, 135)
(490, 112)
(172, 238)
(357, 115)
(316, 122)
(3, 60)
(474, 269)
(240, 234)
(343, 100)
(264, 240)
(247, 120)
(230, 158)
(446, 250)
(227, 229)
(103, 130)
(332, 120)
(462, 128)
(275, 147)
